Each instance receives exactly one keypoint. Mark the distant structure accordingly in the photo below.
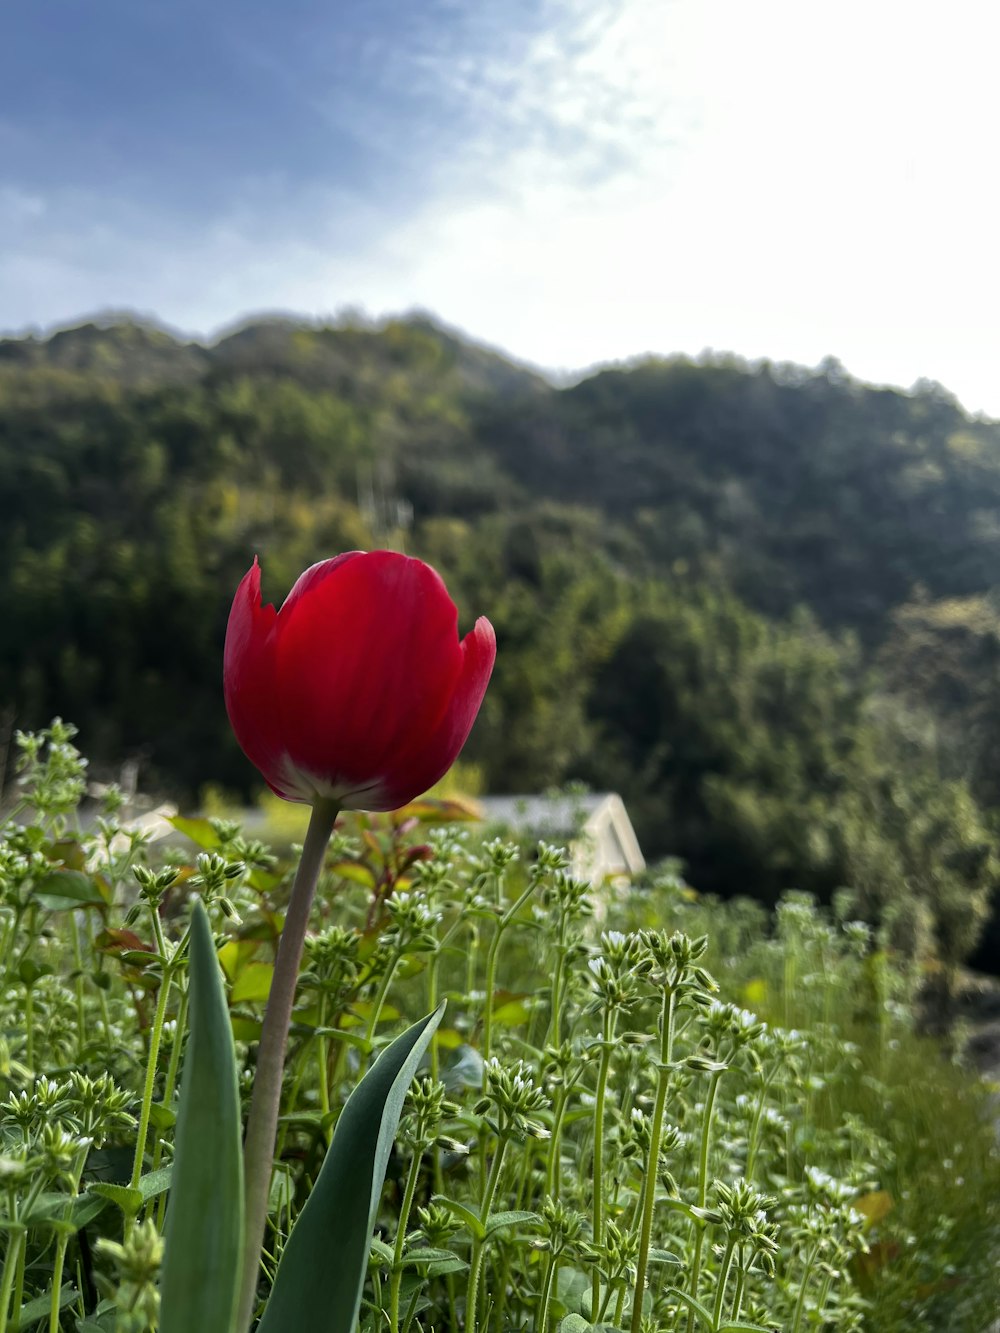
(388, 515)
(594, 826)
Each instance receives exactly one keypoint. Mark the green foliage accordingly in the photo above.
(755, 600)
(339, 1218)
(738, 1117)
(204, 1236)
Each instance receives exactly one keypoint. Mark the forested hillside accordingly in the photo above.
(757, 600)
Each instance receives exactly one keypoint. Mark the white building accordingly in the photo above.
(594, 826)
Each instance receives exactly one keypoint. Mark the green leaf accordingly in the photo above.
(442, 1267)
(355, 871)
(511, 1014)
(575, 1323)
(246, 1029)
(200, 831)
(162, 1116)
(664, 1257)
(380, 1252)
(744, 1328)
(29, 971)
(155, 1182)
(427, 1255)
(40, 1306)
(694, 1306)
(128, 1200)
(322, 1271)
(465, 1215)
(499, 1221)
(204, 1233)
(253, 983)
(55, 1209)
(64, 889)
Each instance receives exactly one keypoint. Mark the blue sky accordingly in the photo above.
(574, 181)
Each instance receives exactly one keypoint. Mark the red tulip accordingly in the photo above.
(358, 690)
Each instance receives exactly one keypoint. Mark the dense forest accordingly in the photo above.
(757, 600)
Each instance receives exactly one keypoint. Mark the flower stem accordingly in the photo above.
(155, 1036)
(15, 1245)
(262, 1123)
(648, 1203)
(396, 1281)
(800, 1304)
(706, 1133)
(542, 1317)
(723, 1280)
(479, 1245)
(597, 1212)
(491, 965)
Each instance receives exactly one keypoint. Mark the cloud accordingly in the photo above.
(582, 180)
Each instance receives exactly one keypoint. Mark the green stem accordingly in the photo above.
(553, 1174)
(479, 1246)
(501, 1286)
(491, 974)
(620, 1307)
(656, 1130)
(10, 1263)
(800, 1304)
(824, 1292)
(542, 1317)
(57, 1273)
(379, 1002)
(155, 1036)
(29, 1025)
(8, 943)
(265, 1102)
(555, 1015)
(432, 998)
(397, 1254)
(323, 1061)
(706, 1137)
(22, 1257)
(296, 1069)
(81, 1022)
(491, 963)
(753, 1139)
(738, 1294)
(170, 1082)
(62, 1244)
(720, 1294)
(597, 1212)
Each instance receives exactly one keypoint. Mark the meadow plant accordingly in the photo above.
(682, 1121)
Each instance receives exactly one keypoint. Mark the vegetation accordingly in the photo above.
(757, 600)
(740, 1126)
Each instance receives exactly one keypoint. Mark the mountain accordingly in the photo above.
(759, 600)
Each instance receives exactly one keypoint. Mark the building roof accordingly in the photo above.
(598, 819)
(563, 815)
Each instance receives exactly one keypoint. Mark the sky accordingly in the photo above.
(571, 181)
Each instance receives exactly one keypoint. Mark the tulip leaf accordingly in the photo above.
(204, 1233)
(322, 1271)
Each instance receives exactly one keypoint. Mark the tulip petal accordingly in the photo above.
(418, 770)
(367, 660)
(249, 686)
(310, 578)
